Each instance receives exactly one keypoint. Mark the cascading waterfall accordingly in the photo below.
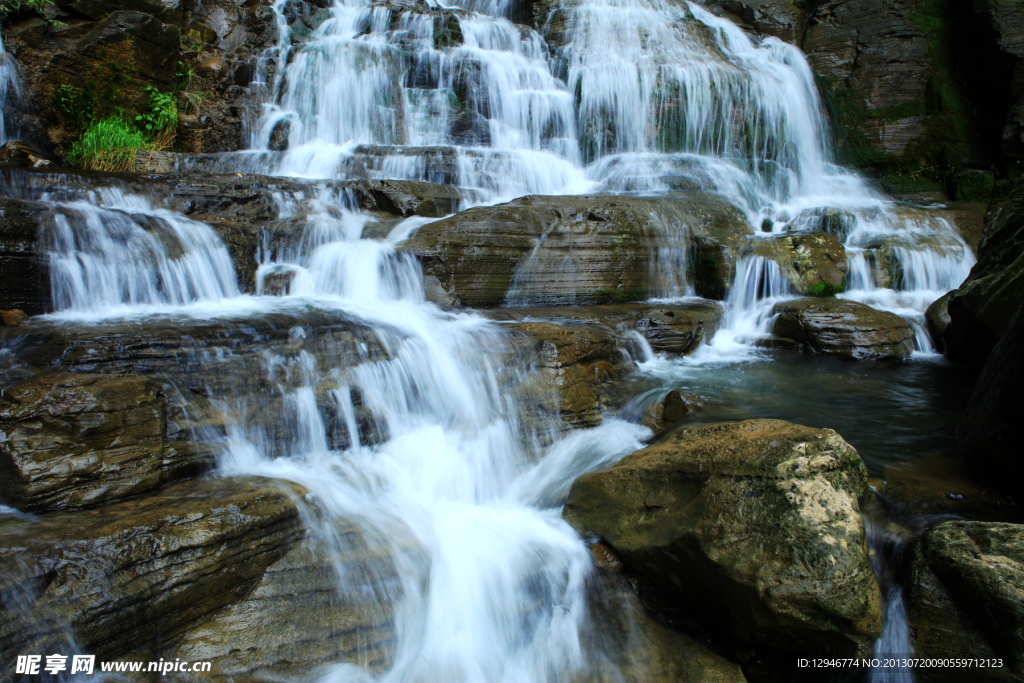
(10, 96)
(463, 494)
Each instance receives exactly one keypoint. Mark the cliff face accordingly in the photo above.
(95, 58)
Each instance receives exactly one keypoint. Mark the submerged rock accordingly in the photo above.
(988, 433)
(136, 574)
(838, 327)
(755, 525)
(966, 598)
(981, 309)
(75, 440)
(572, 250)
(674, 407)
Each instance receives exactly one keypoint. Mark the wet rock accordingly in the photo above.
(24, 266)
(24, 154)
(668, 328)
(754, 524)
(783, 19)
(936, 319)
(980, 310)
(279, 136)
(988, 432)
(842, 328)
(969, 219)
(136, 574)
(302, 614)
(674, 407)
(13, 317)
(630, 646)
(571, 250)
(966, 598)
(573, 361)
(77, 440)
(809, 261)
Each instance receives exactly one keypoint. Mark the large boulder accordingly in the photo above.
(76, 440)
(136, 574)
(987, 434)
(838, 327)
(755, 525)
(981, 309)
(965, 598)
(574, 250)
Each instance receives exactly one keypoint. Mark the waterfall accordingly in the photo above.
(11, 98)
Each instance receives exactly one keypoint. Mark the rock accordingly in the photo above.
(988, 432)
(668, 328)
(24, 154)
(842, 328)
(627, 646)
(755, 525)
(25, 268)
(966, 597)
(13, 318)
(809, 261)
(209, 65)
(969, 219)
(573, 361)
(301, 615)
(783, 19)
(936, 319)
(77, 440)
(981, 308)
(972, 186)
(571, 250)
(672, 408)
(136, 574)
(279, 136)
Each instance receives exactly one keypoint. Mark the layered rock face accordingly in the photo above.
(756, 525)
(846, 329)
(966, 597)
(575, 250)
(69, 441)
(136, 573)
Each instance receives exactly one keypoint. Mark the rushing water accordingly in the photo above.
(461, 486)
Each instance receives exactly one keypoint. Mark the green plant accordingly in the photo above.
(109, 144)
(76, 107)
(826, 289)
(15, 6)
(162, 114)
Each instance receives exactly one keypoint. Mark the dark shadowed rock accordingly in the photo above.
(987, 434)
(75, 440)
(631, 647)
(138, 573)
(981, 309)
(966, 598)
(755, 524)
(842, 328)
(24, 266)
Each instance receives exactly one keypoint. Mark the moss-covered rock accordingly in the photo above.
(808, 261)
(756, 525)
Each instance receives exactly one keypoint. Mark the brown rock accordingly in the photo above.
(754, 524)
(806, 260)
(136, 574)
(842, 328)
(672, 408)
(13, 318)
(76, 440)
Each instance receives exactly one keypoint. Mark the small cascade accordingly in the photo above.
(11, 98)
(116, 251)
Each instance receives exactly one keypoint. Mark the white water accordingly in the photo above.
(10, 96)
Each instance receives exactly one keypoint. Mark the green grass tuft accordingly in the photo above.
(826, 289)
(109, 144)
